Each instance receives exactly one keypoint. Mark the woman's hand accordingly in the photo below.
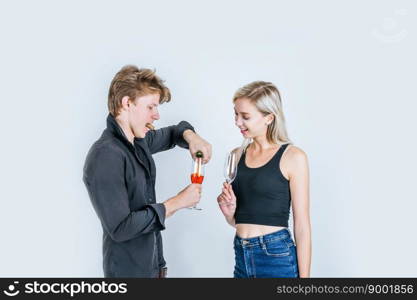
(227, 201)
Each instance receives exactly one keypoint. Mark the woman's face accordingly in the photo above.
(251, 122)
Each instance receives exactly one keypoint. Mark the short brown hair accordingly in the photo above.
(134, 82)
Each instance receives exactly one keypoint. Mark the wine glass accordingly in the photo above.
(230, 167)
(197, 172)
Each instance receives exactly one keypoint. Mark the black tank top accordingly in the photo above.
(263, 194)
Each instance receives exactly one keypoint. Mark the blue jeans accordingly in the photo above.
(272, 255)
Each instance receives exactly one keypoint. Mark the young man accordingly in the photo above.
(119, 174)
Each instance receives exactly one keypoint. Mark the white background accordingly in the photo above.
(347, 73)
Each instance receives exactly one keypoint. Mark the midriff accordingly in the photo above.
(246, 231)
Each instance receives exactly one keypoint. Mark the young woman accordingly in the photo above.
(272, 176)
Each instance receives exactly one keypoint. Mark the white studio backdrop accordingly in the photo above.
(346, 70)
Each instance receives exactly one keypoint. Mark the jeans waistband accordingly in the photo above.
(259, 240)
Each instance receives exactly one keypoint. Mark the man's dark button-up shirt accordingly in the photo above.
(120, 179)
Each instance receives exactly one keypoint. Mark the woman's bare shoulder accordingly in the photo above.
(295, 155)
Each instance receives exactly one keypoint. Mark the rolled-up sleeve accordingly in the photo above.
(168, 137)
(104, 179)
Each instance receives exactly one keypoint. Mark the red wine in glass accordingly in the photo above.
(195, 178)
(197, 171)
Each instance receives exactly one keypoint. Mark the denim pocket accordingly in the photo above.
(276, 248)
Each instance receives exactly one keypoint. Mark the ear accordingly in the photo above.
(270, 118)
(125, 102)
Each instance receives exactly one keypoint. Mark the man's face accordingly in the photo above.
(142, 111)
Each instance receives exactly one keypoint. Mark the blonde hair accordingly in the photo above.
(134, 82)
(267, 100)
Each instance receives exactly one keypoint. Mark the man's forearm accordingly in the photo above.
(171, 206)
(188, 134)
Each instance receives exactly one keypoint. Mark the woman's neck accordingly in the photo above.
(261, 144)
